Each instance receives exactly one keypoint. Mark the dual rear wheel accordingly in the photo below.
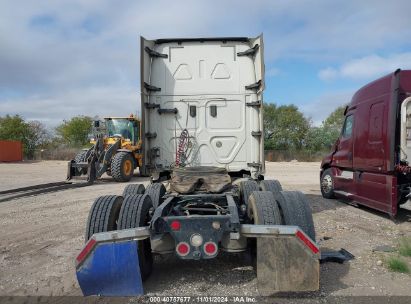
(272, 206)
(249, 186)
(134, 209)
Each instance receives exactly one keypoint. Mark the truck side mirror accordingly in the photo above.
(345, 110)
(96, 124)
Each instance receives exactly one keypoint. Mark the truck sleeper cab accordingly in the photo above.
(369, 163)
(201, 103)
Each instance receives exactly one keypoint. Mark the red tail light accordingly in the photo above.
(86, 250)
(175, 225)
(183, 248)
(210, 248)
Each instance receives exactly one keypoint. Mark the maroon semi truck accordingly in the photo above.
(369, 163)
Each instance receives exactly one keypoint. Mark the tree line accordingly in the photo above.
(285, 128)
(36, 136)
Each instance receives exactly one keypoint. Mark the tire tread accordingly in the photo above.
(156, 192)
(271, 185)
(133, 214)
(133, 189)
(117, 166)
(264, 203)
(103, 214)
(246, 188)
(296, 211)
(80, 158)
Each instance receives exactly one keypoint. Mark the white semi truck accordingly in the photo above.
(202, 132)
(210, 87)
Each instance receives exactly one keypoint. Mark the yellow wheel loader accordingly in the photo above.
(116, 151)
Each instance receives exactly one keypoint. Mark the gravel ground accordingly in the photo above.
(42, 235)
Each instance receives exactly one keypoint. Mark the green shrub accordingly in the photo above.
(405, 247)
(398, 265)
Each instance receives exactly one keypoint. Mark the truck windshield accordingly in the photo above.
(123, 127)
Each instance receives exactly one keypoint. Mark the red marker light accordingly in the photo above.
(210, 248)
(183, 249)
(175, 225)
(86, 250)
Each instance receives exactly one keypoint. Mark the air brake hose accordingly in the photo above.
(182, 143)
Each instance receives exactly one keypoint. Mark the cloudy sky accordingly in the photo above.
(64, 58)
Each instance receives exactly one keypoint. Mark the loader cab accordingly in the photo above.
(127, 127)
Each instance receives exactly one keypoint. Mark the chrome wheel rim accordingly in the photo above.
(326, 183)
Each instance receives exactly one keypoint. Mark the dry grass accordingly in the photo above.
(405, 246)
(396, 264)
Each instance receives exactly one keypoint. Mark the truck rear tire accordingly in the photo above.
(103, 215)
(136, 211)
(273, 186)
(156, 192)
(122, 167)
(134, 189)
(246, 188)
(296, 211)
(263, 209)
(327, 184)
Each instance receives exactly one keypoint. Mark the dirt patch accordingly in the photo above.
(42, 235)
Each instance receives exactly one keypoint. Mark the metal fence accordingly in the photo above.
(289, 155)
(65, 153)
(61, 153)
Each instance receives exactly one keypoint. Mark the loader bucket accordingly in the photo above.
(109, 269)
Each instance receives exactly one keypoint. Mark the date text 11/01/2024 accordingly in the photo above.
(202, 299)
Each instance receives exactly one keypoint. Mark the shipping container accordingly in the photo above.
(11, 151)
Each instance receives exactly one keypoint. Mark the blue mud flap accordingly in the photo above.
(111, 269)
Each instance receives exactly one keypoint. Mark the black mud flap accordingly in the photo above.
(339, 256)
(287, 264)
(283, 265)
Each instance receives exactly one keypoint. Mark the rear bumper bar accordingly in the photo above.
(287, 260)
(246, 230)
(267, 230)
